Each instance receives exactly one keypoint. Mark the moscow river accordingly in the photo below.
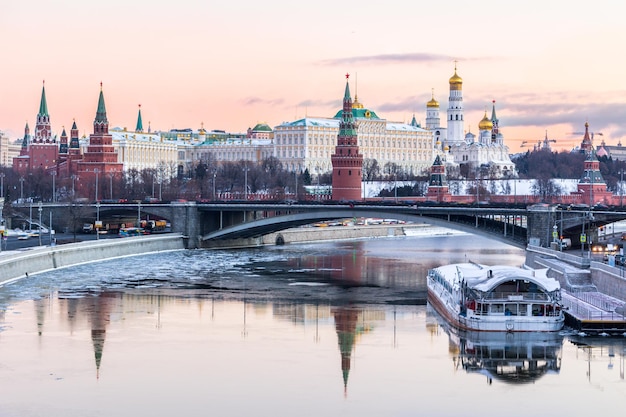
(320, 329)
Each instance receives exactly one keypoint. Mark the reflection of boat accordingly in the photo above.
(497, 298)
(511, 357)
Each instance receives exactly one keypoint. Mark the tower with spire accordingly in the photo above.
(347, 162)
(39, 151)
(455, 110)
(139, 127)
(100, 158)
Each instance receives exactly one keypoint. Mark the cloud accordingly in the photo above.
(389, 59)
(255, 101)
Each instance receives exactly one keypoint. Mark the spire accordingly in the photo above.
(139, 127)
(43, 105)
(26, 140)
(101, 113)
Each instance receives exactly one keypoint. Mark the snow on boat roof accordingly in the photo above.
(477, 276)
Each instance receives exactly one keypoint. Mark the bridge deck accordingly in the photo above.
(593, 312)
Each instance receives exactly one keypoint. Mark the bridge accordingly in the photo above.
(211, 224)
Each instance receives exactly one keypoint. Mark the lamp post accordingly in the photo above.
(111, 186)
(296, 188)
(1, 184)
(74, 178)
(621, 187)
(317, 192)
(97, 171)
(139, 214)
(214, 175)
(22, 190)
(245, 191)
(54, 174)
(40, 209)
(97, 220)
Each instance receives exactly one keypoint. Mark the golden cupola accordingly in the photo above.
(456, 82)
(485, 123)
(432, 102)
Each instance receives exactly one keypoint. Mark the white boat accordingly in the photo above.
(496, 298)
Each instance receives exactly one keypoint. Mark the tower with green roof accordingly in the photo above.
(347, 162)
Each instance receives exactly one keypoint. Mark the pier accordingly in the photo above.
(593, 293)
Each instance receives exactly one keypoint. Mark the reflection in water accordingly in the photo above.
(605, 350)
(97, 309)
(87, 339)
(519, 357)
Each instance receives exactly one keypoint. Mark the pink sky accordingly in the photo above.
(550, 65)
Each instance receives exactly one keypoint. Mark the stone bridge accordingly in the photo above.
(209, 225)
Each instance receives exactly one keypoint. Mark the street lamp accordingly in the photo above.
(111, 186)
(96, 171)
(97, 220)
(1, 184)
(22, 190)
(214, 175)
(621, 187)
(74, 178)
(139, 214)
(54, 174)
(245, 191)
(40, 209)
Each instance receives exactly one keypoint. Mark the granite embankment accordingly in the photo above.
(18, 264)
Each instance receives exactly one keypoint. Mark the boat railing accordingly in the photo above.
(516, 296)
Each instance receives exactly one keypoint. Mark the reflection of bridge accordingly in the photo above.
(207, 223)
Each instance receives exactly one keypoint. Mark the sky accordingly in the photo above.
(550, 65)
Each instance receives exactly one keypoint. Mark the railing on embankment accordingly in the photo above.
(19, 264)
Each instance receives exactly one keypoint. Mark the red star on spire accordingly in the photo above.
(347, 75)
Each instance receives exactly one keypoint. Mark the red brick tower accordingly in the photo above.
(100, 159)
(438, 184)
(347, 161)
(41, 150)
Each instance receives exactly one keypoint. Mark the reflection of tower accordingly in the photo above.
(99, 309)
(345, 325)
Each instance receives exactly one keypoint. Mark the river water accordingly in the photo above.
(320, 329)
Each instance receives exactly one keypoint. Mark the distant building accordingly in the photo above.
(485, 152)
(308, 143)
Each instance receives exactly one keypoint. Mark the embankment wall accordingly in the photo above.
(18, 264)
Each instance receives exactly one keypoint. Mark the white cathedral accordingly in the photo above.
(488, 153)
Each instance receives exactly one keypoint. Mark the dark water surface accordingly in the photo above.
(324, 329)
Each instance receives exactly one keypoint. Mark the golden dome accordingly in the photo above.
(446, 148)
(456, 82)
(432, 102)
(485, 123)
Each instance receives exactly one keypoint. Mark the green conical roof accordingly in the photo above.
(101, 113)
(43, 105)
(139, 127)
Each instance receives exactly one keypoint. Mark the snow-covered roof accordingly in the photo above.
(484, 278)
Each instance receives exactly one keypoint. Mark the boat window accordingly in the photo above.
(523, 310)
(510, 310)
(497, 308)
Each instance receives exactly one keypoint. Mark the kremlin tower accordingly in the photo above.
(347, 162)
(39, 151)
(100, 159)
